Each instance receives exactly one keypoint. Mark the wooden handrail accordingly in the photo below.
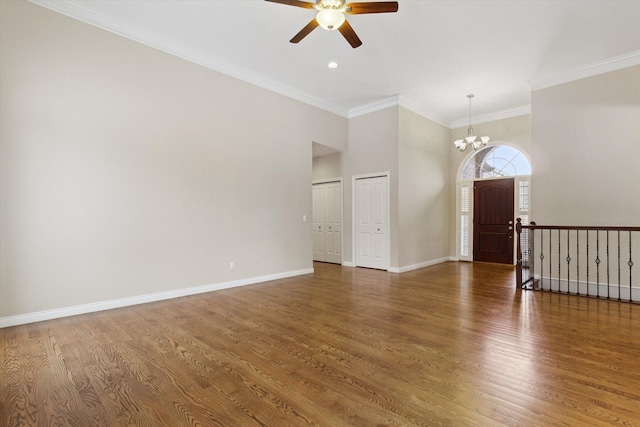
(576, 227)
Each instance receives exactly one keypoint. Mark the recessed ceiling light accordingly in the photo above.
(332, 64)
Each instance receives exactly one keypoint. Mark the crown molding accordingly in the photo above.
(399, 100)
(490, 117)
(77, 11)
(80, 12)
(422, 111)
(371, 107)
(601, 67)
(394, 101)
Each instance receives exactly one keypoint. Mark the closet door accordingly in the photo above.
(333, 222)
(371, 223)
(327, 222)
(318, 202)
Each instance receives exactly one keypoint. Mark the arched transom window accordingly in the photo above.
(496, 161)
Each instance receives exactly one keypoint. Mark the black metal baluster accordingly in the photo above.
(598, 263)
(630, 264)
(541, 259)
(531, 249)
(578, 262)
(568, 264)
(559, 258)
(550, 259)
(587, 262)
(619, 296)
(608, 275)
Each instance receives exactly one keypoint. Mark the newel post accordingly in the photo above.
(519, 253)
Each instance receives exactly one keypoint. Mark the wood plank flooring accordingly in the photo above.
(453, 344)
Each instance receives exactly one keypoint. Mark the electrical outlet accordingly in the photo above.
(232, 265)
(304, 218)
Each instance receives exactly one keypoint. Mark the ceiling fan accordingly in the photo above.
(331, 16)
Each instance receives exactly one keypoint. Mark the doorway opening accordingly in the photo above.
(484, 224)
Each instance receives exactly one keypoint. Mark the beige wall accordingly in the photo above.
(424, 184)
(126, 171)
(586, 150)
(373, 148)
(326, 167)
(414, 151)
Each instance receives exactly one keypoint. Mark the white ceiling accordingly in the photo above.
(428, 56)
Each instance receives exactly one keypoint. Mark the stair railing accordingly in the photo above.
(593, 261)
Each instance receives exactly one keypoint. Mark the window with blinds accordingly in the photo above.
(523, 213)
(465, 218)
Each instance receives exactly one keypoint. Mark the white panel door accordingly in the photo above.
(333, 222)
(327, 222)
(371, 223)
(318, 202)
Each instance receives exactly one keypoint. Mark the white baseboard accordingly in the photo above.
(57, 313)
(624, 292)
(408, 267)
(419, 265)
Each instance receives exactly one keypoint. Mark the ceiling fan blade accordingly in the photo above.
(296, 3)
(347, 31)
(305, 31)
(372, 7)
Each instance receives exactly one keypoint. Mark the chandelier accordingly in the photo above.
(470, 139)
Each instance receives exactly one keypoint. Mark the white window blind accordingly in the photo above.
(464, 216)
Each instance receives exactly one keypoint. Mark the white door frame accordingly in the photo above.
(469, 182)
(354, 218)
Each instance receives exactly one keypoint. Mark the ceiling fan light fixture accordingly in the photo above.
(331, 16)
(330, 19)
(330, 4)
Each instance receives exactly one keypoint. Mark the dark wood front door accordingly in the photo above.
(493, 221)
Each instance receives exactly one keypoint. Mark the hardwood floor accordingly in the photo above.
(453, 344)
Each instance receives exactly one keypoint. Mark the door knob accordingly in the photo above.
(510, 222)
(510, 228)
